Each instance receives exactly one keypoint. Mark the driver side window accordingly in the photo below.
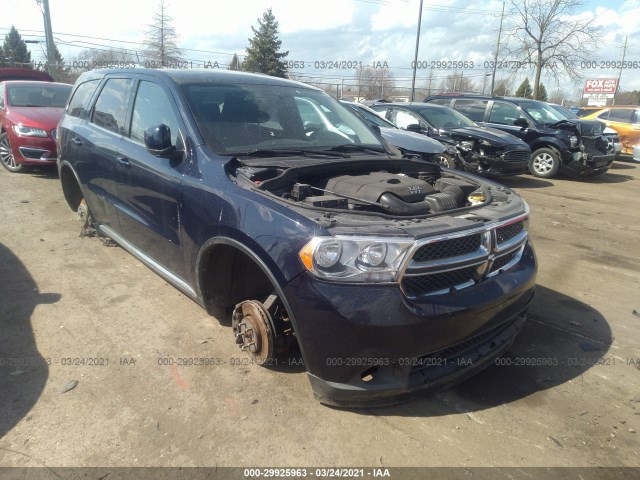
(504, 114)
(151, 108)
(404, 119)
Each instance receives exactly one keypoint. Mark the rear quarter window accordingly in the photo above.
(622, 115)
(79, 103)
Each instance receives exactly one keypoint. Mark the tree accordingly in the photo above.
(502, 87)
(263, 52)
(162, 40)
(457, 82)
(235, 63)
(524, 90)
(549, 35)
(15, 51)
(374, 83)
(542, 93)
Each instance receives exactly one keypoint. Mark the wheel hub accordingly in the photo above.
(252, 329)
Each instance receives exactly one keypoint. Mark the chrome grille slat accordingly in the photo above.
(463, 259)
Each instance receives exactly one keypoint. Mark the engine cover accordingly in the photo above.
(372, 186)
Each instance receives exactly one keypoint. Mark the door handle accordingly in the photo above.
(76, 141)
(124, 161)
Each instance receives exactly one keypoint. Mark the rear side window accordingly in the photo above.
(474, 109)
(79, 102)
(504, 114)
(622, 115)
(111, 107)
(441, 101)
(152, 107)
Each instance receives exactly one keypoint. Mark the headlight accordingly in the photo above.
(355, 259)
(24, 131)
(573, 140)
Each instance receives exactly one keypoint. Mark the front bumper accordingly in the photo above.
(505, 164)
(369, 345)
(33, 150)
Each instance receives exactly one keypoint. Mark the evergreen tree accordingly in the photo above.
(235, 63)
(542, 93)
(15, 51)
(524, 90)
(162, 40)
(263, 52)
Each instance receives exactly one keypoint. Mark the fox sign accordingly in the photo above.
(601, 85)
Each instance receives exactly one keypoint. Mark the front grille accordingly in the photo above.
(500, 262)
(507, 232)
(423, 284)
(517, 156)
(463, 260)
(452, 247)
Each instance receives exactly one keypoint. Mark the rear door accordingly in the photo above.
(150, 187)
(90, 140)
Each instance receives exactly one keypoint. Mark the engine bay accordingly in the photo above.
(409, 188)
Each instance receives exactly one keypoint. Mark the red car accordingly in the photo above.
(29, 114)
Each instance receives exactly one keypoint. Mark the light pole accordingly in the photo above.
(51, 58)
(415, 58)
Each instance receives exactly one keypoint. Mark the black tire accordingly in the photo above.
(6, 155)
(544, 163)
(447, 161)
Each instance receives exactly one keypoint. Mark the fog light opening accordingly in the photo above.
(367, 375)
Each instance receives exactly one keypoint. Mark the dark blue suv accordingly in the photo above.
(393, 276)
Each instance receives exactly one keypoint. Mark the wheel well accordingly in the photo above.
(229, 276)
(70, 188)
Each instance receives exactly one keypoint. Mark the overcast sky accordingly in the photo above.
(366, 31)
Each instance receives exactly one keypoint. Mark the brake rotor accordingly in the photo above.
(253, 329)
(83, 214)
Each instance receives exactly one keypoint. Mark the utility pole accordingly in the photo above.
(415, 58)
(48, 32)
(495, 58)
(624, 52)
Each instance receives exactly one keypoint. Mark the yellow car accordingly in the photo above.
(623, 119)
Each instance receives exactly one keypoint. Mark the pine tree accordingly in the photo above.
(235, 63)
(162, 40)
(15, 51)
(263, 52)
(542, 93)
(524, 90)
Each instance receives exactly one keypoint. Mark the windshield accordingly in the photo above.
(542, 113)
(236, 119)
(372, 117)
(38, 95)
(444, 118)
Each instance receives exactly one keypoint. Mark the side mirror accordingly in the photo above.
(521, 122)
(157, 140)
(414, 127)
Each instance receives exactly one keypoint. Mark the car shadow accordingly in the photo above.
(608, 177)
(524, 181)
(561, 339)
(23, 371)
(48, 171)
(625, 165)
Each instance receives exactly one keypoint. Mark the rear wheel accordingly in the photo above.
(544, 163)
(6, 155)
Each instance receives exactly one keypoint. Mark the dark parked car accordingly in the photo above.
(29, 114)
(574, 146)
(410, 144)
(483, 151)
(393, 277)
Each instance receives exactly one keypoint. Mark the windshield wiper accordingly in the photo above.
(288, 153)
(352, 147)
